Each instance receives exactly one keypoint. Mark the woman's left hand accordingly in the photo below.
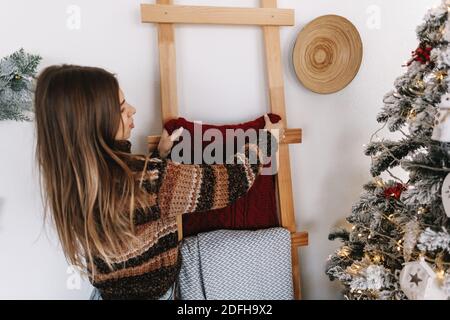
(166, 143)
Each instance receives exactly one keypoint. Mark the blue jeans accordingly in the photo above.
(169, 295)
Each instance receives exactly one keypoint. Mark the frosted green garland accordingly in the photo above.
(17, 73)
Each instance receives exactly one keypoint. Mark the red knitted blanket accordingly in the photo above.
(256, 210)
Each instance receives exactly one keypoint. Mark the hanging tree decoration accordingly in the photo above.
(413, 88)
(395, 191)
(422, 54)
(441, 130)
(17, 73)
(445, 194)
(417, 88)
(420, 282)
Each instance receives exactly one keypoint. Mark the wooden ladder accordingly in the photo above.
(270, 18)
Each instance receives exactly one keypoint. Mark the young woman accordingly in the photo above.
(115, 212)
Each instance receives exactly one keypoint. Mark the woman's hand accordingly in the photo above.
(276, 129)
(166, 143)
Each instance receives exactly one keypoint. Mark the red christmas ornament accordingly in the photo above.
(421, 54)
(395, 191)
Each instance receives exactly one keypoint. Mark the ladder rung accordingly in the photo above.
(299, 239)
(293, 136)
(161, 13)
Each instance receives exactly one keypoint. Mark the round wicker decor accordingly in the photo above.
(327, 54)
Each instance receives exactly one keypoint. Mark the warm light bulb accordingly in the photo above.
(344, 252)
(421, 210)
(379, 182)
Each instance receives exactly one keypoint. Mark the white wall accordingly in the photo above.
(221, 80)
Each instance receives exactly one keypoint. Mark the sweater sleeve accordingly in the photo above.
(188, 188)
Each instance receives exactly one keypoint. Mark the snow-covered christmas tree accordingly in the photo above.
(17, 72)
(399, 244)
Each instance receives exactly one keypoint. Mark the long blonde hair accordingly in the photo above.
(87, 184)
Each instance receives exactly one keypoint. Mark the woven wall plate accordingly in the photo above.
(327, 54)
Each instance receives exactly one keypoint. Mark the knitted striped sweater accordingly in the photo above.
(150, 269)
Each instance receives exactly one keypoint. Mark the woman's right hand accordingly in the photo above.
(166, 142)
(276, 129)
